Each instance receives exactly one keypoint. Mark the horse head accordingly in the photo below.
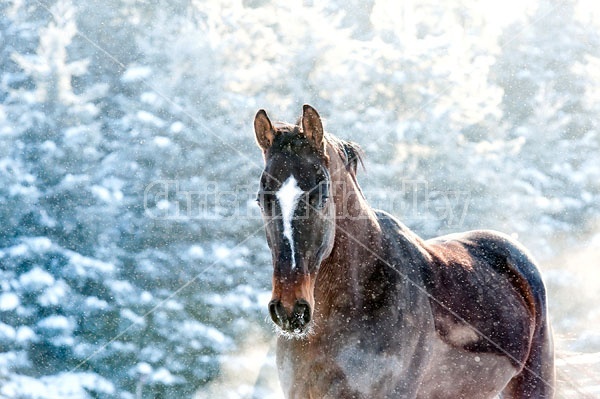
(294, 193)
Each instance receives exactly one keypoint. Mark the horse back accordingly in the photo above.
(487, 294)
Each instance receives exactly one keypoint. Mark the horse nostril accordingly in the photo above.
(301, 313)
(296, 320)
(277, 312)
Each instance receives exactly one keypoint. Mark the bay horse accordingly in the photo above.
(367, 309)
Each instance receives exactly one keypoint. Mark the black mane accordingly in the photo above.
(349, 151)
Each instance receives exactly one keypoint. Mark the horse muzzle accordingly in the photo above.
(294, 321)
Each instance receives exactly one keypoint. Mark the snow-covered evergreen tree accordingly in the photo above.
(56, 134)
(542, 72)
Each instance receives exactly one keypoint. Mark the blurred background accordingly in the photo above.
(133, 262)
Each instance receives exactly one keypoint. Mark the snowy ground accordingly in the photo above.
(574, 293)
(252, 375)
(578, 375)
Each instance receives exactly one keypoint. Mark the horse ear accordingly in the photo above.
(312, 126)
(263, 129)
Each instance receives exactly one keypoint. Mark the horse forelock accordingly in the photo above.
(282, 127)
(350, 153)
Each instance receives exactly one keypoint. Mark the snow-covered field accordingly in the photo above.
(578, 375)
(252, 374)
(574, 294)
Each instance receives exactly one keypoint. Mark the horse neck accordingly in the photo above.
(355, 219)
(357, 237)
(352, 209)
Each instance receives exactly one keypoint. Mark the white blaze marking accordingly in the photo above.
(288, 196)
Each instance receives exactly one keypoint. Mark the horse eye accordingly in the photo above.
(323, 201)
(260, 199)
(319, 202)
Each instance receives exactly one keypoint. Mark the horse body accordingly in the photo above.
(370, 310)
